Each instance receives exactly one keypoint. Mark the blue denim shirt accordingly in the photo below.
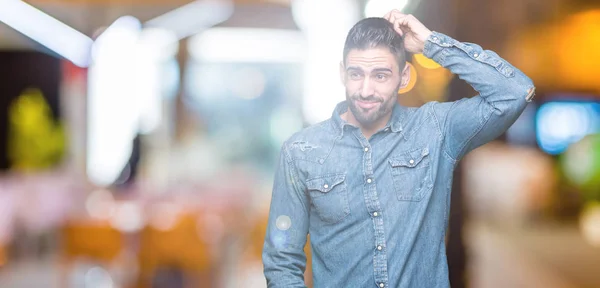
(377, 209)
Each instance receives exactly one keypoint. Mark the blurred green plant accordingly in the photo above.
(35, 140)
(581, 166)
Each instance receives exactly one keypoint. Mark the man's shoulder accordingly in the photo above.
(315, 131)
(309, 141)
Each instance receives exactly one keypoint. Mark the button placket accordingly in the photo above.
(374, 207)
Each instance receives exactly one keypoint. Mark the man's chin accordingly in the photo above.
(365, 120)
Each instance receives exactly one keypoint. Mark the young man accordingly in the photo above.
(372, 184)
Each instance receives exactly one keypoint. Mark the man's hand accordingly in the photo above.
(414, 32)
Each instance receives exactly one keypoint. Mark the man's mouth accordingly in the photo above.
(366, 104)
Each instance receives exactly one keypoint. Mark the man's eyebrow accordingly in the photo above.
(382, 70)
(353, 68)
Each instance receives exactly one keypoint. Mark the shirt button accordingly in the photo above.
(381, 285)
(411, 161)
(475, 55)
(386, 129)
(325, 186)
(375, 214)
(366, 149)
(369, 180)
(379, 248)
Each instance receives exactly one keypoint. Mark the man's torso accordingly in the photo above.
(378, 207)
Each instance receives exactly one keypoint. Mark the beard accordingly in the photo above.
(368, 117)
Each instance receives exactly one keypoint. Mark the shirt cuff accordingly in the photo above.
(435, 43)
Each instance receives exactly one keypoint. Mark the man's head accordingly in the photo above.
(373, 69)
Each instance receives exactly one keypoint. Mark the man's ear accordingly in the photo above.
(405, 76)
(342, 73)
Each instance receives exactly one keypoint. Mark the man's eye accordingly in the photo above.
(354, 76)
(381, 77)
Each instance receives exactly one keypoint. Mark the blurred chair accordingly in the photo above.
(179, 248)
(3, 255)
(90, 240)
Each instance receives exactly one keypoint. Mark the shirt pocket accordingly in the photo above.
(329, 196)
(411, 174)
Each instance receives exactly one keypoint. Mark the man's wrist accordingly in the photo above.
(424, 40)
(427, 35)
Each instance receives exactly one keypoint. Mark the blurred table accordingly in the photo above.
(549, 256)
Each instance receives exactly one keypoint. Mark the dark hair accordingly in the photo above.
(375, 32)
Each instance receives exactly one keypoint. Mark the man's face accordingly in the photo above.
(372, 79)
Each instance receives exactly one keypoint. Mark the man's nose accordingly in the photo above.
(368, 88)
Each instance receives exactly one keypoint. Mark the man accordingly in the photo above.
(372, 184)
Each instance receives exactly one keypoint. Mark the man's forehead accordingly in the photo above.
(371, 58)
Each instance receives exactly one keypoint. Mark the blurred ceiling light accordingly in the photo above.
(113, 105)
(122, 33)
(194, 17)
(46, 30)
(158, 43)
(378, 8)
(251, 45)
(325, 35)
(315, 17)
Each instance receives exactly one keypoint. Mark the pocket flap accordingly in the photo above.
(409, 159)
(325, 183)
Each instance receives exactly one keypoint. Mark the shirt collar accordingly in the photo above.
(395, 124)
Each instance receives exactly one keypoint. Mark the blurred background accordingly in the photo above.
(138, 138)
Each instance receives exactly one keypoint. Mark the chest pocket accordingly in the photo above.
(329, 197)
(411, 174)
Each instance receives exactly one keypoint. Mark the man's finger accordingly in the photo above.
(397, 13)
(389, 17)
(397, 28)
(404, 20)
(392, 14)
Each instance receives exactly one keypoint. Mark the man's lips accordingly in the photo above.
(366, 104)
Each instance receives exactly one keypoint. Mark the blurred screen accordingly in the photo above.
(566, 120)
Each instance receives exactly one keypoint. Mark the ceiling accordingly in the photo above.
(87, 16)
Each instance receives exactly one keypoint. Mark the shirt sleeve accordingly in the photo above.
(504, 92)
(283, 255)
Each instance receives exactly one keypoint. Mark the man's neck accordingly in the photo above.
(369, 130)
